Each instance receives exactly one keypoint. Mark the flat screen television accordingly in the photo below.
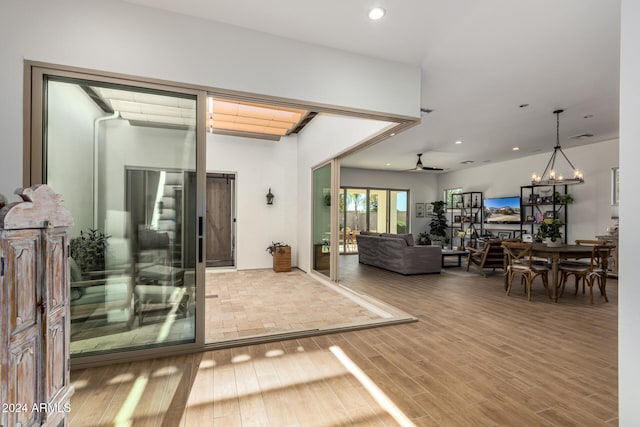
(502, 210)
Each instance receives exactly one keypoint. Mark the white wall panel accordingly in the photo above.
(629, 291)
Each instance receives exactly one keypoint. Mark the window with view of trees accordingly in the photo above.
(371, 209)
(447, 195)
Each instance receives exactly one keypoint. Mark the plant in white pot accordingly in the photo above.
(550, 231)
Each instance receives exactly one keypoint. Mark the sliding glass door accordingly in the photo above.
(321, 232)
(371, 209)
(378, 204)
(398, 208)
(124, 159)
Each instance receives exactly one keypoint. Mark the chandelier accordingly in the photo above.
(550, 176)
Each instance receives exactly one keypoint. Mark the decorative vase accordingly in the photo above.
(552, 243)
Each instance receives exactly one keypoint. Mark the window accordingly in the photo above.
(371, 209)
(447, 195)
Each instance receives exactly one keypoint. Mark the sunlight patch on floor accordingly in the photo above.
(126, 412)
(379, 396)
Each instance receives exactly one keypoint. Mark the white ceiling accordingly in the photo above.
(480, 60)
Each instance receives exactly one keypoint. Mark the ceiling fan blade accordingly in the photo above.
(424, 169)
(421, 168)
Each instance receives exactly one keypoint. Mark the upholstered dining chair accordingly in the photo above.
(589, 273)
(520, 262)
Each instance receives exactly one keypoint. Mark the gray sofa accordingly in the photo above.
(396, 252)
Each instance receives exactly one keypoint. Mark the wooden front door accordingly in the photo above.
(220, 220)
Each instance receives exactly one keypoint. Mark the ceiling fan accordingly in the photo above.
(420, 167)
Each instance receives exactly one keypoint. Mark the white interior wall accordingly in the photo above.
(70, 150)
(321, 140)
(139, 147)
(423, 188)
(260, 165)
(588, 216)
(628, 290)
(124, 38)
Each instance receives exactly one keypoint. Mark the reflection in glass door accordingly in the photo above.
(322, 220)
(124, 159)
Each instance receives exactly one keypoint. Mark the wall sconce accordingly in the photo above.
(270, 197)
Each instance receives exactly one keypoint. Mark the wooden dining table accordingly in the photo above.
(555, 254)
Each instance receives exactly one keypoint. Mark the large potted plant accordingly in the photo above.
(281, 253)
(88, 250)
(550, 232)
(438, 226)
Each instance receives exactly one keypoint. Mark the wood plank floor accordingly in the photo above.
(475, 358)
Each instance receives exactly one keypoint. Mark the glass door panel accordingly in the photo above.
(398, 218)
(355, 219)
(322, 220)
(378, 208)
(124, 158)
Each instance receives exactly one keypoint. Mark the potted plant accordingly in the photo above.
(438, 225)
(88, 250)
(281, 253)
(423, 239)
(563, 199)
(550, 232)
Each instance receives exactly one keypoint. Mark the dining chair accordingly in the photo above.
(345, 239)
(520, 261)
(589, 273)
(583, 261)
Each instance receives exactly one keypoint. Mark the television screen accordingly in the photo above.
(502, 210)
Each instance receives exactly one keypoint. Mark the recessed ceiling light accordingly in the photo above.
(376, 13)
(466, 162)
(388, 164)
(393, 134)
(515, 148)
(523, 105)
(458, 142)
(588, 116)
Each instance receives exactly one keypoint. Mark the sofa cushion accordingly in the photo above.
(75, 294)
(369, 233)
(408, 238)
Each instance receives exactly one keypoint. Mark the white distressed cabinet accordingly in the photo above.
(34, 310)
